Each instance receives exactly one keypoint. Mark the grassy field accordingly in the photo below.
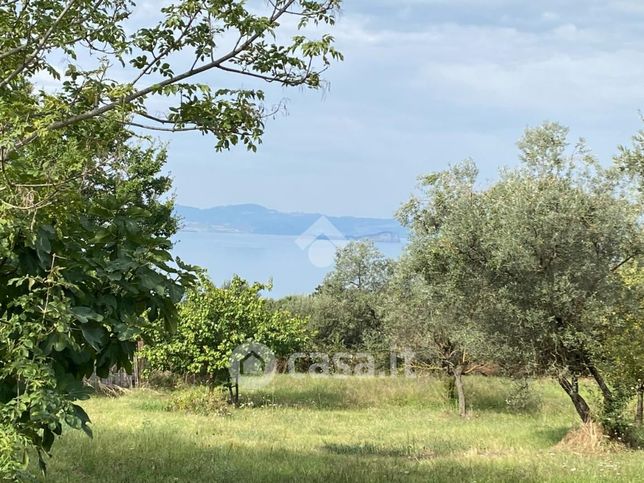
(332, 429)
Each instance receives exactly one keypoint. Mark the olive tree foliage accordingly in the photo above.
(345, 307)
(562, 228)
(630, 160)
(213, 321)
(428, 307)
(538, 254)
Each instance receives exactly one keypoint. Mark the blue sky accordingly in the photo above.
(427, 83)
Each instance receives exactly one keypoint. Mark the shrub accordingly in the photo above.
(199, 400)
(214, 321)
(523, 398)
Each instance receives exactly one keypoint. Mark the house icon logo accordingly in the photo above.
(321, 240)
(252, 365)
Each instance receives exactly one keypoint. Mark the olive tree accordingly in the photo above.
(538, 253)
(419, 316)
(432, 304)
(560, 230)
(345, 307)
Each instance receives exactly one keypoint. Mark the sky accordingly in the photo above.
(426, 83)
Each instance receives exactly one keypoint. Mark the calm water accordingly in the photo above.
(292, 267)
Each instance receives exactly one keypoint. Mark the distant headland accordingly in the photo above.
(253, 218)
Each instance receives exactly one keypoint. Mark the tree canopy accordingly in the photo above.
(345, 307)
(538, 253)
(214, 321)
(85, 215)
(121, 63)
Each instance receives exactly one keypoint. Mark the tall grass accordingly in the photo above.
(337, 429)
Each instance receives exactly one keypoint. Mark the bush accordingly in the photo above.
(522, 398)
(200, 400)
(162, 380)
(213, 322)
(616, 418)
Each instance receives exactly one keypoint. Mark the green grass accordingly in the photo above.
(332, 429)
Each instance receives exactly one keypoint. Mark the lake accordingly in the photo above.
(295, 265)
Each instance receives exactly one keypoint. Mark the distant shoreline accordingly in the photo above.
(382, 237)
(256, 219)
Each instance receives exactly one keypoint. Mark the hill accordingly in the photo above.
(252, 218)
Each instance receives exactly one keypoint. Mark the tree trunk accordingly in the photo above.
(573, 392)
(639, 413)
(460, 390)
(606, 392)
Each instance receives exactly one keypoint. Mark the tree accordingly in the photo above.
(538, 253)
(214, 322)
(345, 305)
(80, 279)
(428, 308)
(84, 252)
(158, 60)
(624, 357)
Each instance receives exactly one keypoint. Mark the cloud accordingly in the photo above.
(427, 83)
(553, 83)
(562, 67)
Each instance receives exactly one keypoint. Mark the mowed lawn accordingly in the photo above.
(337, 429)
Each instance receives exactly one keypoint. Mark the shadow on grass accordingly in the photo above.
(552, 436)
(337, 392)
(165, 456)
(315, 398)
(482, 394)
(437, 448)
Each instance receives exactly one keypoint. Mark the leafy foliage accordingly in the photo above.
(345, 308)
(434, 321)
(625, 345)
(536, 255)
(214, 321)
(85, 220)
(80, 279)
(623, 355)
(119, 64)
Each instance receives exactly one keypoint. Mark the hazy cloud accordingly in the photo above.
(427, 83)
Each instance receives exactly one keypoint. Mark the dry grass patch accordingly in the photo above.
(589, 438)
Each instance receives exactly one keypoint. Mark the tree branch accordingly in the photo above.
(39, 47)
(155, 87)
